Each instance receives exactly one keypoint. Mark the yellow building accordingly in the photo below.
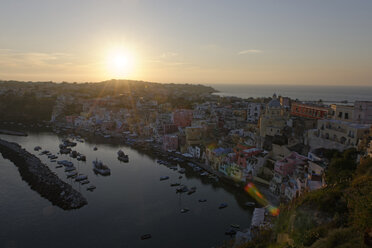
(274, 119)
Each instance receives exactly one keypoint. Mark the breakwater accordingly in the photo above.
(15, 133)
(41, 178)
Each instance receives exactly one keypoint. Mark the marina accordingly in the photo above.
(130, 193)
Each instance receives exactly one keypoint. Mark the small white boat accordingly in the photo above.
(37, 148)
(249, 204)
(81, 177)
(68, 169)
(223, 205)
(71, 173)
(182, 170)
(84, 182)
(91, 188)
(164, 178)
(185, 210)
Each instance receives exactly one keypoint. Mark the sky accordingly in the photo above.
(317, 42)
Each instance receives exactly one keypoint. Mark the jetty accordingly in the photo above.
(15, 133)
(41, 178)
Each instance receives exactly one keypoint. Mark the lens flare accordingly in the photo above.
(252, 190)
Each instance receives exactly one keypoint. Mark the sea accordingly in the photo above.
(129, 203)
(328, 94)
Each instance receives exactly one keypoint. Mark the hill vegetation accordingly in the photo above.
(339, 215)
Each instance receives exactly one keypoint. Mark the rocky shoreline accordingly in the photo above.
(41, 178)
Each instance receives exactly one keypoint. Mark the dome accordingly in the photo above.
(274, 103)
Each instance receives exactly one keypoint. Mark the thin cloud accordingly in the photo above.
(250, 51)
(169, 55)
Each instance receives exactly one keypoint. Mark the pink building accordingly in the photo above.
(182, 117)
(288, 165)
(242, 156)
(169, 128)
(170, 142)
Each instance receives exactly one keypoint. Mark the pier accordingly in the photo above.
(41, 178)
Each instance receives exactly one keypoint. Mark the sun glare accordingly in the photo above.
(120, 62)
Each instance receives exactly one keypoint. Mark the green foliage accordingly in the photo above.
(341, 238)
(26, 108)
(72, 109)
(360, 196)
(341, 167)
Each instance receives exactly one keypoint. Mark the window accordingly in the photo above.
(346, 116)
(340, 114)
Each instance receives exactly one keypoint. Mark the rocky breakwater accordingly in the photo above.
(41, 178)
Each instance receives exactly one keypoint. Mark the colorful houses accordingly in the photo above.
(182, 117)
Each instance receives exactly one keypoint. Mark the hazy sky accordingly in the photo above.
(195, 41)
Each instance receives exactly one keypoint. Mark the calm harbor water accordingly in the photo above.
(132, 201)
(334, 93)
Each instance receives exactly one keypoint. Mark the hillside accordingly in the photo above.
(339, 215)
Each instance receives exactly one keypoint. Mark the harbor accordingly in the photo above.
(132, 197)
(40, 178)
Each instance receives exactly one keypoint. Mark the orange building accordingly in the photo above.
(309, 111)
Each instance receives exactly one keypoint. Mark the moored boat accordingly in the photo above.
(100, 168)
(222, 205)
(91, 188)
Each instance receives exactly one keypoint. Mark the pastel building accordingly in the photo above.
(194, 135)
(345, 133)
(170, 142)
(342, 112)
(287, 166)
(254, 111)
(182, 117)
(363, 112)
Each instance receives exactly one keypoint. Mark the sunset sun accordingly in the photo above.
(120, 62)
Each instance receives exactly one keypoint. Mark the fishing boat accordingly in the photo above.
(222, 205)
(71, 174)
(70, 169)
(174, 184)
(81, 177)
(249, 204)
(164, 178)
(185, 210)
(100, 168)
(230, 232)
(146, 236)
(91, 188)
(37, 148)
(86, 181)
(182, 170)
(122, 156)
(192, 190)
(182, 189)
